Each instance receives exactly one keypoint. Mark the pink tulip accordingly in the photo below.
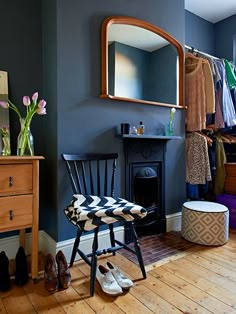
(26, 101)
(42, 103)
(41, 111)
(4, 104)
(35, 97)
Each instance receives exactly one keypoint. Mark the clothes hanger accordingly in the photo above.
(191, 55)
(228, 138)
(209, 140)
(225, 139)
(196, 63)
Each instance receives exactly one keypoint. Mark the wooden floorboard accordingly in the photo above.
(199, 280)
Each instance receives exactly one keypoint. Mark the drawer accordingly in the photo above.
(16, 179)
(230, 169)
(230, 185)
(230, 180)
(15, 212)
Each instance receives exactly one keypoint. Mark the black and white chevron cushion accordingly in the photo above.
(89, 211)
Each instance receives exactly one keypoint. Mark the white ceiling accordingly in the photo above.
(135, 37)
(212, 10)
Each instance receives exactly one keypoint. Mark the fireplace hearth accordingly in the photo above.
(145, 180)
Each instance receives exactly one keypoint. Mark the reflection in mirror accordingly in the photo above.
(4, 123)
(140, 63)
(4, 113)
(141, 69)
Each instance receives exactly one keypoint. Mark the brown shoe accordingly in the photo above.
(64, 276)
(50, 273)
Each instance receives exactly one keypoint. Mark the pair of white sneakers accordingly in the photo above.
(112, 280)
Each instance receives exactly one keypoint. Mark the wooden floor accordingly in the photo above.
(201, 280)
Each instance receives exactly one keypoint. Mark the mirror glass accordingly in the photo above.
(4, 122)
(4, 113)
(140, 63)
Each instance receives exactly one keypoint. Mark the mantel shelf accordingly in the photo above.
(155, 137)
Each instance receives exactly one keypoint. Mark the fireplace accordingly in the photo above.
(147, 193)
(145, 180)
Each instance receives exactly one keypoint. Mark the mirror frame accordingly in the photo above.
(150, 27)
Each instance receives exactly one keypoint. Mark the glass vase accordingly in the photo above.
(170, 129)
(25, 140)
(6, 145)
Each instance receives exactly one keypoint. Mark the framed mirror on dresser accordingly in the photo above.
(141, 63)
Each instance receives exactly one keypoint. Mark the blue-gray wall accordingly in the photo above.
(87, 123)
(216, 39)
(133, 85)
(53, 46)
(162, 75)
(21, 57)
(224, 33)
(199, 33)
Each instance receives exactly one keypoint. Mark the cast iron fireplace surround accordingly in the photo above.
(145, 180)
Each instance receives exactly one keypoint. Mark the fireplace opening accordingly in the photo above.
(146, 183)
(146, 191)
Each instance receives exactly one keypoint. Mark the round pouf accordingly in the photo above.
(205, 223)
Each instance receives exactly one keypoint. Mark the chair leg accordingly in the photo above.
(138, 251)
(112, 236)
(93, 269)
(75, 247)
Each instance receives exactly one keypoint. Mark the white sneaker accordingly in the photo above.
(122, 281)
(107, 281)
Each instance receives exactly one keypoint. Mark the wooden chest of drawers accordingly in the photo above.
(19, 200)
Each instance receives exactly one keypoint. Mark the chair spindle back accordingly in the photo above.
(92, 174)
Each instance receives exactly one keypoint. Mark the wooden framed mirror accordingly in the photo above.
(141, 63)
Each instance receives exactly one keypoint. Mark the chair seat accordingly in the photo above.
(88, 211)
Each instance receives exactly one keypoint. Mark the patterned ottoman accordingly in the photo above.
(205, 223)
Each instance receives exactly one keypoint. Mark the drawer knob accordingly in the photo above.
(10, 181)
(11, 215)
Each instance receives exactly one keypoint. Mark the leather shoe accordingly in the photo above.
(50, 273)
(64, 276)
(107, 281)
(122, 280)
(21, 274)
(5, 281)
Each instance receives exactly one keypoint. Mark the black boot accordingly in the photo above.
(5, 281)
(21, 275)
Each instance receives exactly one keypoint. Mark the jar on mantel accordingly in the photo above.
(140, 128)
(170, 128)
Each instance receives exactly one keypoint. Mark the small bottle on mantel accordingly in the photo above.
(140, 128)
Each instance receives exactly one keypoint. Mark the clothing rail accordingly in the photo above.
(196, 50)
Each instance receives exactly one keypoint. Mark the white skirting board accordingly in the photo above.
(173, 222)
(47, 245)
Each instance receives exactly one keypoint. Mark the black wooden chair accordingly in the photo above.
(92, 177)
